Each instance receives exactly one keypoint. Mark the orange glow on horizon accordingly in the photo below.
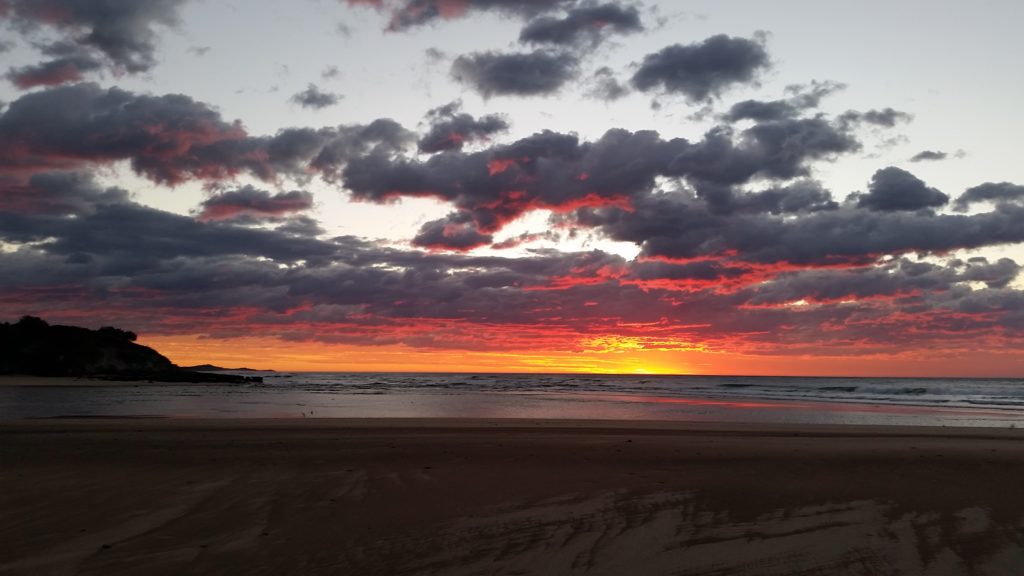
(273, 354)
(604, 355)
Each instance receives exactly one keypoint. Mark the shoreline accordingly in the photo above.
(554, 425)
(467, 496)
(25, 397)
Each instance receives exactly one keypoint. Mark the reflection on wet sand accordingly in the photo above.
(618, 533)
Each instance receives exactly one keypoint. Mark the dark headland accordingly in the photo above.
(34, 347)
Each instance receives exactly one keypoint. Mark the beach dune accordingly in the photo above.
(155, 496)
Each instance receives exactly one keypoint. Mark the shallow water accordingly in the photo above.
(939, 402)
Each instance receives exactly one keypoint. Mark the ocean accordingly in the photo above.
(871, 401)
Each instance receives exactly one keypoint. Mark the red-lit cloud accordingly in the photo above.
(47, 75)
(251, 202)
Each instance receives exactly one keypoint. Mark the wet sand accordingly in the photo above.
(22, 381)
(8, 380)
(156, 496)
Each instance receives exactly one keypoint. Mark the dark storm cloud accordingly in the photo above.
(300, 226)
(450, 129)
(65, 126)
(126, 235)
(537, 73)
(701, 272)
(605, 86)
(313, 97)
(586, 22)
(327, 150)
(808, 96)
(496, 185)
(825, 285)
(895, 278)
(990, 192)
(885, 118)
(895, 189)
(58, 193)
(454, 232)
(993, 301)
(558, 172)
(526, 238)
(929, 155)
(68, 68)
(762, 110)
(800, 196)
(776, 149)
(122, 33)
(703, 70)
(411, 13)
(169, 138)
(672, 225)
(802, 99)
(998, 274)
(253, 202)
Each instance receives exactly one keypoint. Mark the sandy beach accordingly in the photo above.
(160, 496)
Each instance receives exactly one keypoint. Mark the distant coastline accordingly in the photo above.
(213, 368)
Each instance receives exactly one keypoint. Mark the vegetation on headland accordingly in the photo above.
(34, 347)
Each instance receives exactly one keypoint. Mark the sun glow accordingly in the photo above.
(600, 355)
(270, 353)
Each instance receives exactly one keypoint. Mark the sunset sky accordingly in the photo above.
(707, 186)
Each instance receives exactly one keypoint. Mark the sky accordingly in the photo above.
(688, 187)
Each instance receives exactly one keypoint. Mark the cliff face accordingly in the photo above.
(31, 346)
